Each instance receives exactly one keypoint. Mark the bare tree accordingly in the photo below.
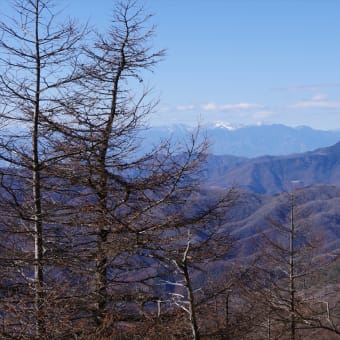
(38, 58)
(290, 259)
(189, 248)
(124, 200)
(86, 215)
(108, 124)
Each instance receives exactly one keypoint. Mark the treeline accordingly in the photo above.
(100, 243)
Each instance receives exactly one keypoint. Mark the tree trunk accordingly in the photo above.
(37, 211)
(292, 269)
(191, 298)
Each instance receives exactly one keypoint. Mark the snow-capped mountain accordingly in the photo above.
(246, 141)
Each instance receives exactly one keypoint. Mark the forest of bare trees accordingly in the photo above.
(101, 241)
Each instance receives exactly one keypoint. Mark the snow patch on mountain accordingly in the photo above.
(245, 141)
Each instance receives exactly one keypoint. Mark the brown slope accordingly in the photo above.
(317, 207)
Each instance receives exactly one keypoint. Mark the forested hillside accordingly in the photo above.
(100, 240)
(274, 174)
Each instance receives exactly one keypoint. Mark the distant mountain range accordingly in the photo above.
(248, 141)
(305, 161)
(275, 174)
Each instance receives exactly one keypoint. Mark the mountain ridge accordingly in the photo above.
(274, 174)
(246, 141)
(316, 208)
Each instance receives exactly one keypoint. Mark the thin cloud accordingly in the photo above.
(185, 107)
(316, 104)
(229, 107)
(307, 87)
(319, 97)
(318, 100)
(263, 114)
(209, 107)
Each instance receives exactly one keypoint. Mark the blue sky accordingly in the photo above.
(250, 61)
(242, 61)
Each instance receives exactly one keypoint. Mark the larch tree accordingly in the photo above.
(283, 284)
(38, 62)
(190, 250)
(86, 214)
(129, 200)
(102, 132)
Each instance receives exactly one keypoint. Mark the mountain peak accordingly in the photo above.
(248, 141)
(224, 125)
